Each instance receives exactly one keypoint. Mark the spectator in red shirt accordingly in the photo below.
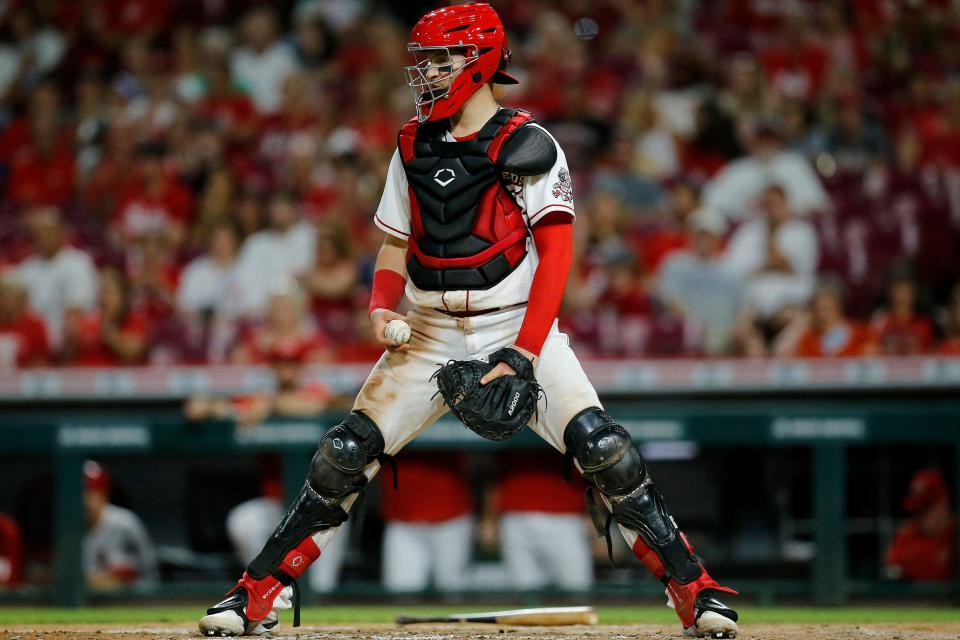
(43, 169)
(797, 64)
(114, 173)
(44, 105)
(117, 20)
(332, 282)
(824, 331)
(623, 311)
(289, 131)
(898, 328)
(951, 325)
(940, 133)
(111, 335)
(155, 202)
(923, 547)
(153, 274)
(670, 233)
(285, 322)
(229, 108)
(23, 336)
(427, 540)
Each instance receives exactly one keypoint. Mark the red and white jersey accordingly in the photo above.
(536, 195)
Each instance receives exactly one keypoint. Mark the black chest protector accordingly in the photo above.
(467, 230)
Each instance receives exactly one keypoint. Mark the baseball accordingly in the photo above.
(398, 331)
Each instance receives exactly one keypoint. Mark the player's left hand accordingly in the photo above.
(503, 369)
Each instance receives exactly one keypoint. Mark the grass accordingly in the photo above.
(359, 614)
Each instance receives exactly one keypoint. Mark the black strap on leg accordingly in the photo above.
(568, 466)
(606, 534)
(602, 520)
(296, 603)
(360, 509)
(289, 581)
(388, 459)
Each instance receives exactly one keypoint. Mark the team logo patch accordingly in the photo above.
(563, 187)
(444, 176)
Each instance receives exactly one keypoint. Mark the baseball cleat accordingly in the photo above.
(713, 619)
(227, 624)
(232, 615)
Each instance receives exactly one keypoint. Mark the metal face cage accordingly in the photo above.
(426, 91)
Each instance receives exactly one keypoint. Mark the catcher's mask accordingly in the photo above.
(466, 45)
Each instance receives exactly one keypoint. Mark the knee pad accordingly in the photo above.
(345, 450)
(605, 453)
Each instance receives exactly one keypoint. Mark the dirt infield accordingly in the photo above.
(492, 632)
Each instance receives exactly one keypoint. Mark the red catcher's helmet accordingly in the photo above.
(473, 30)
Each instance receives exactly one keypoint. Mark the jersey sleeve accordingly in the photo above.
(549, 192)
(393, 214)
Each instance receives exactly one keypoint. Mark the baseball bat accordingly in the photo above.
(548, 616)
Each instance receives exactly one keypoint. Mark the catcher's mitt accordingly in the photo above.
(497, 410)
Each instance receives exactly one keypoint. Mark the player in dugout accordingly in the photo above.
(478, 212)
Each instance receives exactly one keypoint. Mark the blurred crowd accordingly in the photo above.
(193, 182)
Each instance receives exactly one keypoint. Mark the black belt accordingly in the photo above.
(481, 312)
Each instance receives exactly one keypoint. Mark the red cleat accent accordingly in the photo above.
(260, 595)
(683, 597)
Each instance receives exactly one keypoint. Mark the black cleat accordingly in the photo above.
(713, 618)
(228, 618)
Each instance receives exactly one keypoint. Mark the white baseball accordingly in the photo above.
(398, 331)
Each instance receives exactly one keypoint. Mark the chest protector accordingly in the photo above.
(467, 230)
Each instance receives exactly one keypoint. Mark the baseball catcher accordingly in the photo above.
(478, 215)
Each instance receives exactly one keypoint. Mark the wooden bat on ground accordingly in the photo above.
(549, 616)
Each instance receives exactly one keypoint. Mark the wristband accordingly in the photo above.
(387, 290)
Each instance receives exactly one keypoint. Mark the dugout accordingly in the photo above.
(821, 449)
